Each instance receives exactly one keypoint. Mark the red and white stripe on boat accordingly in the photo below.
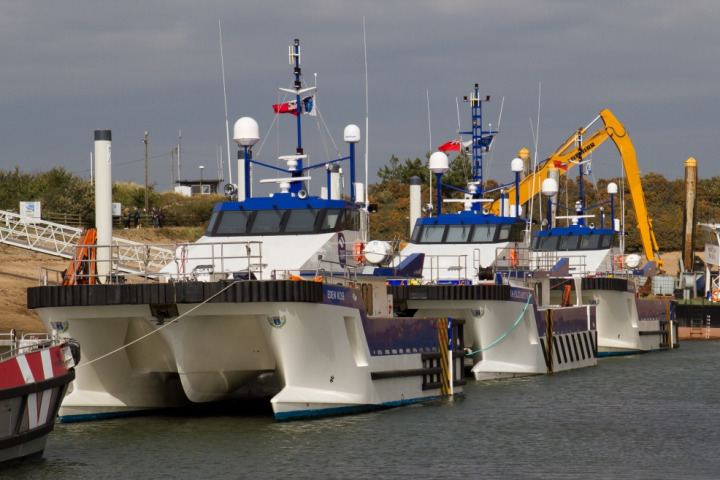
(34, 367)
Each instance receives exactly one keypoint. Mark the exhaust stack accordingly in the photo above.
(414, 202)
(103, 200)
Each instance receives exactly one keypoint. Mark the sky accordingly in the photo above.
(549, 67)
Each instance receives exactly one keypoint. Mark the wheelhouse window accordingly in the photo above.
(232, 223)
(590, 242)
(572, 242)
(569, 242)
(351, 220)
(432, 234)
(301, 221)
(484, 233)
(464, 233)
(267, 222)
(545, 243)
(458, 233)
(333, 216)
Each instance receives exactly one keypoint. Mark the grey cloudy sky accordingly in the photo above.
(69, 68)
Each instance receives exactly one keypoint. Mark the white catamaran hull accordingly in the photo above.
(626, 324)
(328, 356)
(509, 338)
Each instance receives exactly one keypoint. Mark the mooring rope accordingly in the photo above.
(506, 333)
(157, 329)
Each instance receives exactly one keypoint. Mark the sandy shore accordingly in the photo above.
(20, 269)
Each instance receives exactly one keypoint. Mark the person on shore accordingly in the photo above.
(156, 217)
(127, 218)
(136, 217)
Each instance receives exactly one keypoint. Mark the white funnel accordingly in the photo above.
(103, 201)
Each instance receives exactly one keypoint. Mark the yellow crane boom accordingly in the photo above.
(570, 153)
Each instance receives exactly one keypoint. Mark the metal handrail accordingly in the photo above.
(61, 240)
(24, 342)
(210, 259)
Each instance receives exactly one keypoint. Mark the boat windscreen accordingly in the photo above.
(569, 242)
(432, 234)
(280, 222)
(267, 222)
(301, 221)
(232, 223)
(590, 242)
(572, 242)
(484, 233)
(458, 233)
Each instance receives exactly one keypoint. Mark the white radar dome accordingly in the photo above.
(351, 134)
(378, 253)
(438, 163)
(549, 187)
(246, 132)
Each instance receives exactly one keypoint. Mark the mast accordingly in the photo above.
(297, 170)
(481, 140)
(295, 57)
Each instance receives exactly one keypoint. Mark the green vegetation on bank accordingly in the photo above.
(61, 192)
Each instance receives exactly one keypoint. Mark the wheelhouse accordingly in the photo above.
(577, 238)
(470, 230)
(255, 218)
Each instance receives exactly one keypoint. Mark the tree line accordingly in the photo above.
(664, 199)
(61, 192)
(58, 191)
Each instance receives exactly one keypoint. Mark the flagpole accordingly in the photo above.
(431, 149)
(429, 125)
(457, 108)
(227, 125)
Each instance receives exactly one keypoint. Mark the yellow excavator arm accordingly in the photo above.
(570, 153)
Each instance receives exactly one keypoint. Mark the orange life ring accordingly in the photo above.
(513, 257)
(716, 295)
(566, 296)
(619, 261)
(359, 252)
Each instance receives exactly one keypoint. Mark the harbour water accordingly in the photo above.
(652, 416)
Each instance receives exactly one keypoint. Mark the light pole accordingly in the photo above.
(202, 167)
(145, 141)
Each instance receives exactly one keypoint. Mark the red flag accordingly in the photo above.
(560, 165)
(451, 146)
(289, 107)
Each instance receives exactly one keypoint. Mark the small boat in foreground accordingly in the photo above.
(35, 372)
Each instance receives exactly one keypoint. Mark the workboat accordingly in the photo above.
(476, 269)
(267, 304)
(698, 315)
(629, 319)
(35, 371)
